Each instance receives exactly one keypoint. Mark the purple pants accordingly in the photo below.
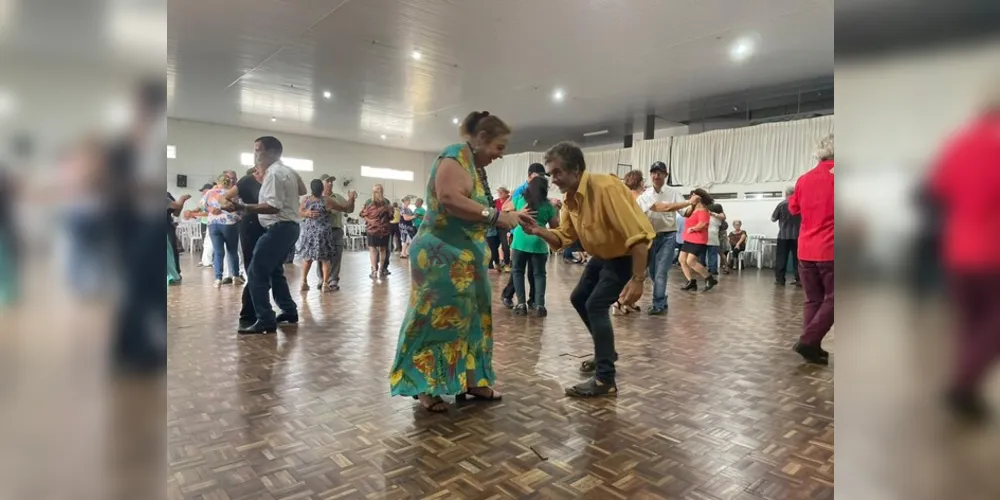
(976, 300)
(817, 283)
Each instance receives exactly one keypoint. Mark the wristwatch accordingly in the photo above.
(486, 213)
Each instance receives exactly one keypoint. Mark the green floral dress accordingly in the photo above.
(448, 329)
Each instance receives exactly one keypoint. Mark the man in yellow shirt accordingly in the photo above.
(600, 212)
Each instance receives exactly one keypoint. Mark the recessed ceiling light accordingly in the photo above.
(455, 121)
(327, 94)
(416, 55)
(273, 119)
(558, 95)
(383, 137)
(743, 48)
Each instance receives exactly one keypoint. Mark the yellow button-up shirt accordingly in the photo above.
(604, 216)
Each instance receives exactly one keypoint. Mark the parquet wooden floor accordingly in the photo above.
(713, 403)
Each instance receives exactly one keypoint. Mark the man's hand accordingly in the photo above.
(313, 214)
(184, 198)
(528, 223)
(187, 215)
(632, 291)
(352, 195)
(215, 211)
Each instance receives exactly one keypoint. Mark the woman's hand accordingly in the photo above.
(529, 225)
(508, 220)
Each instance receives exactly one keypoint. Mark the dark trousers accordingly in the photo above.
(174, 246)
(267, 271)
(975, 297)
(785, 249)
(395, 242)
(599, 287)
(497, 242)
(534, 263)
(568, 251)
(509, 290)
(250, 232)
(138, 343)
(817, 283)
(338, 257)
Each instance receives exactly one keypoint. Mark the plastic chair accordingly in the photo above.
(754, 249)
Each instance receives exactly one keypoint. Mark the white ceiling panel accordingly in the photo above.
(267, 63)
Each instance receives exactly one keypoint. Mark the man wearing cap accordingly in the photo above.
(534, 170)
(661, 203)
(341, 206)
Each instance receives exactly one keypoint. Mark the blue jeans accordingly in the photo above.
(712, 259)
(267, 271)
(661, 256)
(225, 244)
(574, 247)
(536, 263)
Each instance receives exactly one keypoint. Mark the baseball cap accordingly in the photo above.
(327, 178)
(207, 186)
(658, 166)
(537, 168)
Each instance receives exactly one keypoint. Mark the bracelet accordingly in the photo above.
(494, 215)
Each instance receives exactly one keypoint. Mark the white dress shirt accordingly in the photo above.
(280, 189)
(662, 222)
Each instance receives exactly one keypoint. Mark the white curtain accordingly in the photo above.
(512, 170)
(771, 152)
(645, 153)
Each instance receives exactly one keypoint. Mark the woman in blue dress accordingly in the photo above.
(446, 341)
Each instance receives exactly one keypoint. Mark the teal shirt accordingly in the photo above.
(524, 242)
(419, 219)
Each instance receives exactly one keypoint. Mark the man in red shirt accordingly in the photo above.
(813, 201)
(964, 184)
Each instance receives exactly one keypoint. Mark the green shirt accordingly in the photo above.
(524, 242)
(419, 212)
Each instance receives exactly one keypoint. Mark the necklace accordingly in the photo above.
(481, 173)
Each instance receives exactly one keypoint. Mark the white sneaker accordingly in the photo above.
(218, 283)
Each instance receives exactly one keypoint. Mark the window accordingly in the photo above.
(387, 173)
(724, 196)
(763, 195)
(299, 164)
(171, 152)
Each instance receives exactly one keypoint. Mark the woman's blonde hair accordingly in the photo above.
(223, 180)
(378, 195)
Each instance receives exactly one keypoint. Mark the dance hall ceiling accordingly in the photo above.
(399, 72)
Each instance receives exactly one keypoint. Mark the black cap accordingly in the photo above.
(207, 186)
(658, 166)
(537, 168)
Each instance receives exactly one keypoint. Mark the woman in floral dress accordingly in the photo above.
(316, 243)
(446, 341)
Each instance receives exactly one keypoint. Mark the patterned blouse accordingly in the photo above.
(377, 217)
(212, 199)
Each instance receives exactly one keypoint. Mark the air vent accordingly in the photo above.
(724, 196)
(763, 195)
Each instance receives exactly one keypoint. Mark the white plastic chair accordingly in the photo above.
(754, 249)
(355, 238)
(190, 235)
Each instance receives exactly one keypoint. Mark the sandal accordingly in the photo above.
(472, 396)
(592, 389)
(588, 366)
(437, 405)
(304, 287)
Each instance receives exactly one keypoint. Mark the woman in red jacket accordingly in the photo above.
(965, 183)
(696, 241)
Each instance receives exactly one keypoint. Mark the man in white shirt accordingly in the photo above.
(661, 203)
(278, 212)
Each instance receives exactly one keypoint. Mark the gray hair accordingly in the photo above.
(569, 154)
(825, 149)
(789, 190)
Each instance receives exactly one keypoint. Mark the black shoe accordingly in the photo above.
(540, 311)
(797, 283)
(287, 318)
(247, 322)
(967, 405)
(258, 328)
(812, 354)
(227, 281)
(531, 304)
(592, 389)
(779, 283)
(710, 283)
(657, 311)
(508, 303)
(520, 310)
(691, 285)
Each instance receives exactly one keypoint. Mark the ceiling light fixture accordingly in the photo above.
(455, 121)
(558, 95)
(327, 94)
(743, 48)
(598, 132)
(273, 119)
(416, 55)
(383, 137)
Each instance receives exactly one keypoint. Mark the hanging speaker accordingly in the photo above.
(182, 181)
